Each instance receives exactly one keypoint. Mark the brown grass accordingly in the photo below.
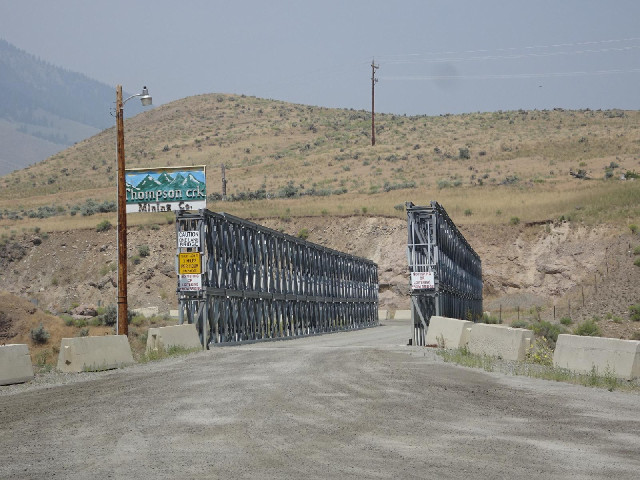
(266, 144)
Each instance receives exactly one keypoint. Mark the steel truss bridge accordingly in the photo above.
(446, 273)
(259, 284)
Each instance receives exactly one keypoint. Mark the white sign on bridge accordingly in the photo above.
(422, 280)
(190, 283)
(189, 239)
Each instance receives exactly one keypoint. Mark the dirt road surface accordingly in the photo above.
(348, 405)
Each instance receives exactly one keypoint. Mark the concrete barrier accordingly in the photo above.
(94, 353)
(448, 332)
(15, 364)
(499, 341)
(402, 315)
(146, 311)
(581, 354)
(185, 336)
(383, 315)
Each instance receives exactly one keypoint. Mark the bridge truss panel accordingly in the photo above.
(436, 246)
(259, 284)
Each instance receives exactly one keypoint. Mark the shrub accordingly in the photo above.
(548, 330)
(520, 324)
(143, 250)
(79, 322)
(514, 220)
(540, 352)
(636, 262)
(588, 328)
(288, 191)
(636, 250)
(566, 321)
(634, 228)
(488, 319)
(303, 234)
(40, 335)
(634, 313)
(464, 153)
(103, 226)
(110, 315)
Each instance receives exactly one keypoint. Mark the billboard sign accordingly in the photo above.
(166, 189)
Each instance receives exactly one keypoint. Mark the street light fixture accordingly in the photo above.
(145, 98)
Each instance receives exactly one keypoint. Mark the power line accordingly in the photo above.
(397, 58)
(510, 75)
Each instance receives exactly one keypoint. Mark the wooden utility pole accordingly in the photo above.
(224, 183)
(123, 326)
(374, 80)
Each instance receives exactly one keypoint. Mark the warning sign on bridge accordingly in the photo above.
(189, 239)
(189, 263)
(422, 280)
(190, 283)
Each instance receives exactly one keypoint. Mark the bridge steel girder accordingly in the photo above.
(260, 284)
(436, 245)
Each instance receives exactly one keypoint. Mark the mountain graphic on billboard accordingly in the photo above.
(166, 183)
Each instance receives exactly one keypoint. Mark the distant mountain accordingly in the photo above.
(44, 108)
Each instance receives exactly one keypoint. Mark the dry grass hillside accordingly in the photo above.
(489, 167)
(546, 197)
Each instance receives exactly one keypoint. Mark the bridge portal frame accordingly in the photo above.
(259, 284)
(436, 246)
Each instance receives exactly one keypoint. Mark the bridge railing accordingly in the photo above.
(255, 283)
(446, 273)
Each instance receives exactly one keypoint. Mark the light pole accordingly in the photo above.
(145, 98)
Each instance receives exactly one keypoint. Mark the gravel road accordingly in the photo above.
(348, 405)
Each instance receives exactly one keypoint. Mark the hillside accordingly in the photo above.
(44, 108)
(319, 160)
(545, 197)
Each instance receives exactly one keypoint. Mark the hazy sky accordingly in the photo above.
(435, 57)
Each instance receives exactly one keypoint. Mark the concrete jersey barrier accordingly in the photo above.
(15, 364)
(402, 315)
(499, 341)
(448, 332)
(146, 311)
(582, 354)
(94, 353)
(185, 336)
